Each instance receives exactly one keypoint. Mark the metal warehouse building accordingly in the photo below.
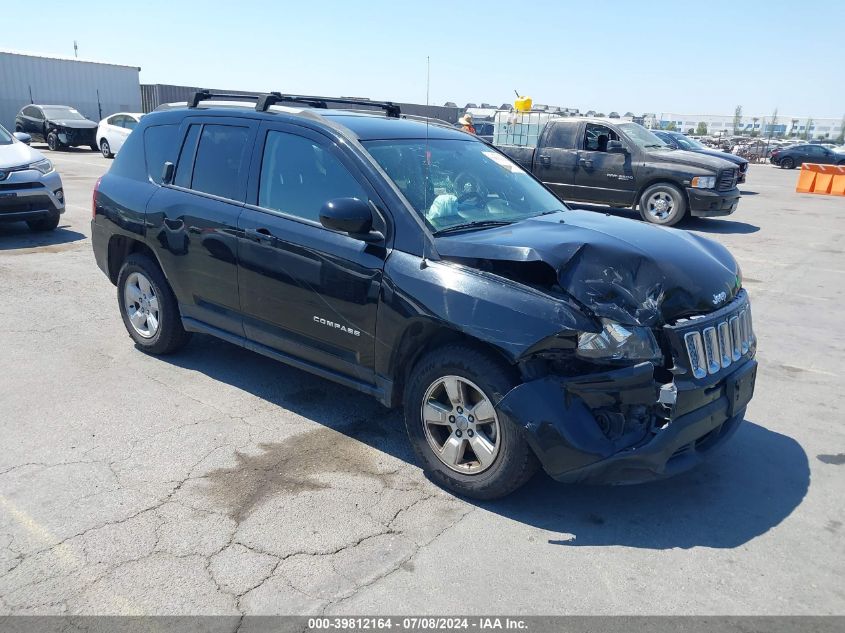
(95, 89)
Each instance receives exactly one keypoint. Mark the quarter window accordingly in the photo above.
(221, 159)
(298, 176)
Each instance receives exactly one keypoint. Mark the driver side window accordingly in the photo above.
(597, 136)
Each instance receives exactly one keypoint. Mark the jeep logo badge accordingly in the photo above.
(718, 298)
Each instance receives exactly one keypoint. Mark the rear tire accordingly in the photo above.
(484, 380)
(44, 224)
(787, 163)
(148, 307)
(663, 204)
(105, 148)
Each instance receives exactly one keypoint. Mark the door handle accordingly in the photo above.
(259, 235)
(545, 160)
(585, 162)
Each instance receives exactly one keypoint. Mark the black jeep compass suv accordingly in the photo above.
(413, 262)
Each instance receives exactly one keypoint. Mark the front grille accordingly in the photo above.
(9, 186)
(717, 344)
(727, 180)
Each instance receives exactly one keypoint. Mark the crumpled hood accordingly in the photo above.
(629, 271)
(74, 124)
(691, 159)
(17, 154)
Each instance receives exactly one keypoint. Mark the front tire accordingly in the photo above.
(462, 441)
(663, 204)
(53, 143)
(105, 148)
(44, 224)
(148, 306)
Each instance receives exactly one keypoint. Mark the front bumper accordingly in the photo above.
(705, 203)
(560, 417)
(28, 195)
(73, 137)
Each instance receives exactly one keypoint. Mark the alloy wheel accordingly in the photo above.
(461, 425)
(141, 305)
(660, 205)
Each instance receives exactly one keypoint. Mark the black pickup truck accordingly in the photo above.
(418, 264)
(625, 165)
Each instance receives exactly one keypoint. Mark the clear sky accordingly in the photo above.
(648, 56)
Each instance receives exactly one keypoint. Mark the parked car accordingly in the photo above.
(676, 140)
(791, 157)
(57, 125)
(113, 130)
(420, 265)
(30, 187)
(623, 164)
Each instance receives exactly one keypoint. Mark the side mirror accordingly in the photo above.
(350, 215)
(23, 137)
(616, 147)
(167, 172)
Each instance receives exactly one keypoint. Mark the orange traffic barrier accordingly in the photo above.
(825, 179)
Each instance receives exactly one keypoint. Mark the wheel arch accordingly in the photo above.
(661, 180)
(120, 247)
(422, 337)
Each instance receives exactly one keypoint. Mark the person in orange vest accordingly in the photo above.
(466, 123)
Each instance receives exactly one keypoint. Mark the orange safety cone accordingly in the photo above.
(806, 179)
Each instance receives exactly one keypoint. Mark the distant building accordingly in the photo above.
(787, 126)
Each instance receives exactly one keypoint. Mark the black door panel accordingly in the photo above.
(305, 290)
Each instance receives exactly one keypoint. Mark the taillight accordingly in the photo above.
(94, 198)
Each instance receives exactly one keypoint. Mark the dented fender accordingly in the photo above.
(556, 413)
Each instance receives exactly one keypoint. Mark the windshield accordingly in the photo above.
(5, 137)
(684, 142)
(641, 136)
(63, 113)
(457, 183)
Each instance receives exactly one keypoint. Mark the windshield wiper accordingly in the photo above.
(478, 224)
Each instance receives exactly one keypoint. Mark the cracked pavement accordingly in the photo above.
(216, 481)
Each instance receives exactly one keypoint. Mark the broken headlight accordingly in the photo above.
(618, 342)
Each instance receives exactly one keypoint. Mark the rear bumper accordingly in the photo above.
(561, 421)
(707, 203)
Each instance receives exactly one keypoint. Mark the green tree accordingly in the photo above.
(737, 119)
(671, 127)
(701, 129)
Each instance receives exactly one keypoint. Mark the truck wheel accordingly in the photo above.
(105, 149)
(148, 307)
(463, 443)
(663, 204)
(53, 142)
(787, 163)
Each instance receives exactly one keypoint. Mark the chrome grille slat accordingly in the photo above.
(715, 343)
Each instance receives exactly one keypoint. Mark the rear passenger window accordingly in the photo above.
(562, 135)
(186, 157)
(159, 147)
(221, 159)
(298, 177)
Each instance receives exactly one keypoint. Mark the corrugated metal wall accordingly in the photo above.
(153, 95)
(66, 82)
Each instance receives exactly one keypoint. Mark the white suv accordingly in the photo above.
(30, 187)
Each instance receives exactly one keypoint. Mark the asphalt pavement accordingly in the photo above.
(217, 481)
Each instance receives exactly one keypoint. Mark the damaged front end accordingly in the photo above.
(650, 420)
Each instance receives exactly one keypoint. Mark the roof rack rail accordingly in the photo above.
(265, 101)
(205, 95)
